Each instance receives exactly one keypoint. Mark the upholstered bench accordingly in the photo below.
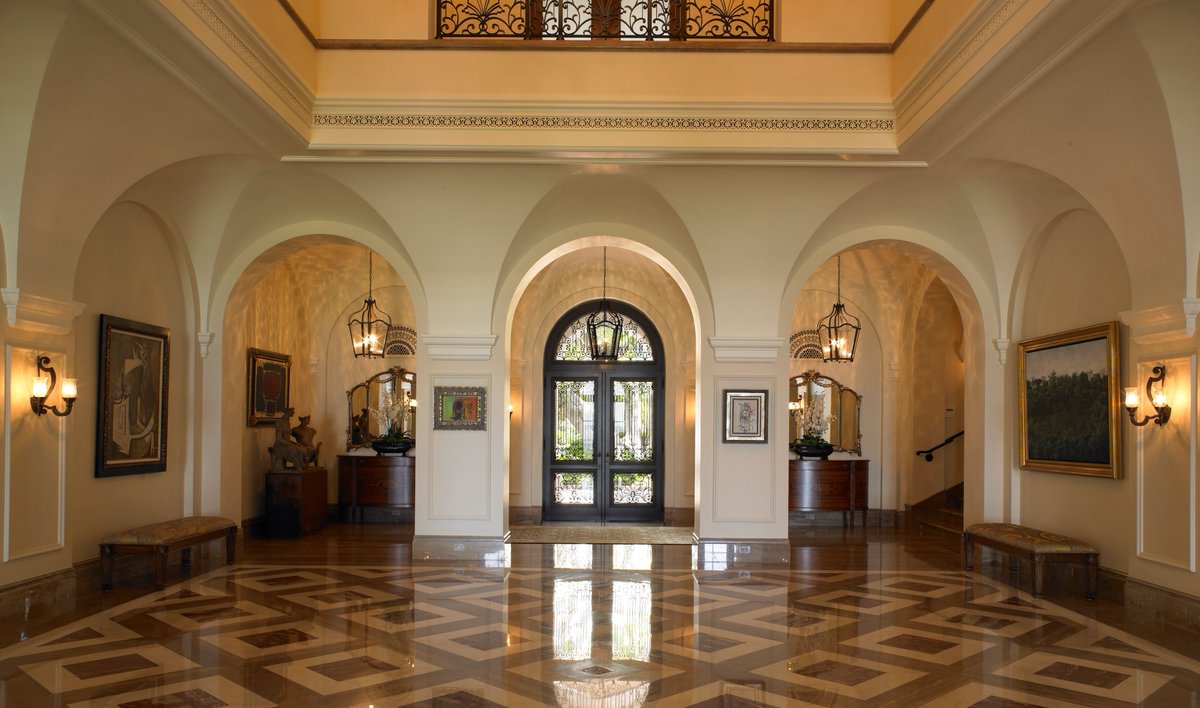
(1037, 546)
(164, 537)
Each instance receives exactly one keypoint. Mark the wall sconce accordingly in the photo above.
(43, 385)
(1158, 399)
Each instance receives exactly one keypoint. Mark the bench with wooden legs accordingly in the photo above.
(1039, 547)
(162, 538)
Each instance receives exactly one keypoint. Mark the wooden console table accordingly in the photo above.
(829, 485)
(374, 480)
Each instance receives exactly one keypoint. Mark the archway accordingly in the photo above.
(603, 422)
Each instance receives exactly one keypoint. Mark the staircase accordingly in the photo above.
(941, 511)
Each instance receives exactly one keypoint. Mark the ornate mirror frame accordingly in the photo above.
(363, 405)
(844, 408)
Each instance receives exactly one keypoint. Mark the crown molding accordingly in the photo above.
(746, 350)
(1166, 324)
(240, 38)
(40, 315)
(950, 61)
(459, 347)
(663, 126)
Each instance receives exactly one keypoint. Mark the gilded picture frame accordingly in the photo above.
(268, 382)
(745, 415)
(131, 420)
(459, 408)
(1068, 402)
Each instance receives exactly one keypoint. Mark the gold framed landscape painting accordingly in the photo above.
(1068, 402)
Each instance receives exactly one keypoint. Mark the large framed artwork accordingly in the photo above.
(459, 408)
(1068, 404)
(745, 414)
(132, 422)
(268, 379)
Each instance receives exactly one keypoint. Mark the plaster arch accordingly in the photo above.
(279, 199)
(563, 284)
(969, 286)
(132, 266)
(985, 453)
(219, 487)
(382, 244)
(583, 210)
(1167, 32)
(1029, 257)
(924, 210)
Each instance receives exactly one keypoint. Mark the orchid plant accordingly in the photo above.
(390, 414)
(813, 421)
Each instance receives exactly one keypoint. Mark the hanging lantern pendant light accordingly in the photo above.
(839, 329)
(369, 328)
(604, 325)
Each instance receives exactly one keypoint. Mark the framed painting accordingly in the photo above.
(459, 408)
(132, 419)
(268, 379)
(1068, 403)
(745, 414)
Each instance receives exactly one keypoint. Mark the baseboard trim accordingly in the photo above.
(1169, 609)
(684, 516)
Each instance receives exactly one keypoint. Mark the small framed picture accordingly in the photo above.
(745, 416)
(459, 408)
(268, 377)
(134, 370)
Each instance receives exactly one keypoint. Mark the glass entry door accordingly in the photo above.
(603, 426)
(603, 463)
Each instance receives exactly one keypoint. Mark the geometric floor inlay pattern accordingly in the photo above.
(603, 627)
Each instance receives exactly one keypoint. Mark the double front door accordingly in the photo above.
(603, 440)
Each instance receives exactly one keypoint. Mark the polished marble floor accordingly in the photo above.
(358, 616)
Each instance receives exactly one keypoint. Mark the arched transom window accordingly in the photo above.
(634, 344)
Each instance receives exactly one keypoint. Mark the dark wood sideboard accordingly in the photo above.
(829, 485)
(296, 501)
(374, 480)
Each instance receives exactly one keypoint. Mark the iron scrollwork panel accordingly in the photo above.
(482, 18)
(607, 19)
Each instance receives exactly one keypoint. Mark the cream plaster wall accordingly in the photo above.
(1064, 292)
(128, 269)
(937, 393)
(605, 76)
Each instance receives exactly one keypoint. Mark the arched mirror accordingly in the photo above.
(821, 403)
(381, 404)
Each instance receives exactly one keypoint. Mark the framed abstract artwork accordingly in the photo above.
(459, 408)
(745, 414)
(132, 419)
(268, 379)
(1068, 402)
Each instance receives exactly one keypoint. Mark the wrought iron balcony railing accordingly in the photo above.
(647, 20)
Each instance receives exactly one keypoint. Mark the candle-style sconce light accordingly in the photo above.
(1156, 395)
(43, 386)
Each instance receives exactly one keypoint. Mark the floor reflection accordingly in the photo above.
(834, 619)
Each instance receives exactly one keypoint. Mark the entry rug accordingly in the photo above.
(662, 535)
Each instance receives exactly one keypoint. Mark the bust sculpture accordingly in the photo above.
(304, 434)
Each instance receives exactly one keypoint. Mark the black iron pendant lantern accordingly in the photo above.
(604, 325)
(839, 329)
(369, 327)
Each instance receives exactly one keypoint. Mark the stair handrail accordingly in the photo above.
(929, 453)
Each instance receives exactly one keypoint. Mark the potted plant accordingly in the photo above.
(812, 442)
(394, 442)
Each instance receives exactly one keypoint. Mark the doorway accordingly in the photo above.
(603, 425)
